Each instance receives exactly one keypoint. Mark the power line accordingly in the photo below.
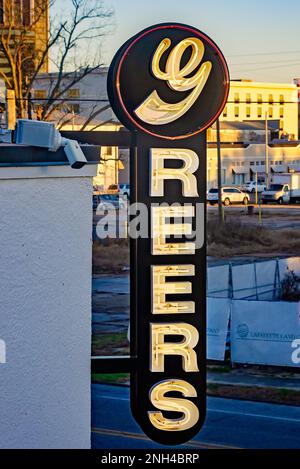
(262, 63)
(66, 101)
(263, 102)
(269, 68)
(265, 53)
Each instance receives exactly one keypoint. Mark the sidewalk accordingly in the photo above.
(255, 384)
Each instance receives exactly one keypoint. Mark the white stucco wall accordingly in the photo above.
(45, 307)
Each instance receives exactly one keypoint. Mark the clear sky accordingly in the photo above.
(259, 38)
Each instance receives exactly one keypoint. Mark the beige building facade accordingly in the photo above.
(242, 162)
(241, 159)
(252, 101)
(30, 19)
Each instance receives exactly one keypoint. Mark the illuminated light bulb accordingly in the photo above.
(154, 110)
(185, 348)
(161, 288)
(161, 230)
(159, 173)
(160, 401)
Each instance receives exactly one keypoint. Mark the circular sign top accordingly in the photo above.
(170, 81)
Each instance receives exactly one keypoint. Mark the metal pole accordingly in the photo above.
(260, 213)
(256, 188)
(220, 205)
(267, 153)
(30, 106)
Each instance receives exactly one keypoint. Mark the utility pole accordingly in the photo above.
(30, 105)
(267, 151)
(220, 206)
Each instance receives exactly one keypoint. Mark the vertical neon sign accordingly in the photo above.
(167, 85)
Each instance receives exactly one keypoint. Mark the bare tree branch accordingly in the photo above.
(93, 116)
(86, 24)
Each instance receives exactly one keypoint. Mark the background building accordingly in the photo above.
(254, 101)
(297, 83)
(32, 17)
(243, 128)
(241, 162)
(245, 131)
(84, 103)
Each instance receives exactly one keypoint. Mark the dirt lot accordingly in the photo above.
(275, 234)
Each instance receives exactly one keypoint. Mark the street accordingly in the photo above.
(230, 424)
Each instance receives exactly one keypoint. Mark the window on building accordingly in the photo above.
(281, 99)
(271, 99)
(259, 98)
(236, 97)
(74, 108)
(27, 11)
(248, 111)
(1, 11)
(252, 163)
(248, 98)
(40, 94)
(224, 176)
(281, 112)
(259, 112)
(16, 11)
(270, 112)
(73, 93)
(236, 111)
(225, 112)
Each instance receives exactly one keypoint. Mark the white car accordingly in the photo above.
(251, 187)
(230, 195)
(109, 201)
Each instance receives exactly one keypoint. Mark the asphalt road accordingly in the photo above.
(230, 424)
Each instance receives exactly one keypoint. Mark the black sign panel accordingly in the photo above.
(168, 84)
(149, 70)
(144, 379)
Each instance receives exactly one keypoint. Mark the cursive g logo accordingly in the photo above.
(154, 110)
(170, 81)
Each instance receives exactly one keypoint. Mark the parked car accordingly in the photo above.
(250, 187)
(230, 195)
(284, 188)
(108, 201)
(122, 189)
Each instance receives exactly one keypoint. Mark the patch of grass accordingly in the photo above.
(220, 369)
(116, 378)
(110, 344)
(254, 393)
(111, 257)
(224, 240)
(233, 239)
